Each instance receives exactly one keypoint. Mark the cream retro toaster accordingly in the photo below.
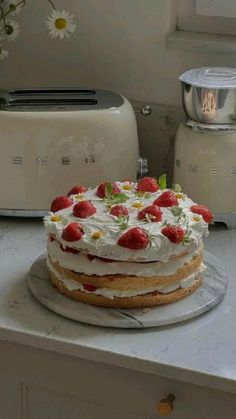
(52, 139)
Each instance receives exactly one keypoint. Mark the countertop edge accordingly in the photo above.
(119, 360)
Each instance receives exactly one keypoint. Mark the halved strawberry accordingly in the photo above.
(101, 189)
(90, 288)
(91, 257)
(84, 209)
(69, 249)
(77, 189)
(147, 184)
(60, 203)
(204, 211)
(72, 232)
(119, 211)
(151, 213)
(174, 233)
(166, 199)
(135, 238)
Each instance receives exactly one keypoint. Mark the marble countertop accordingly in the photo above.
(201, 351)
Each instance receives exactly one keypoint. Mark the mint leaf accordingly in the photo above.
(119, 198)
(123, 222)
(176, 187)
(113, 198)
(108, 190)
(141, 194)
(176, 211)
(186, 239)
(162, 181)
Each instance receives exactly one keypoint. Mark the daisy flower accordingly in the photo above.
(15, 6)
(60, 24)
(12, 30)
(3, 54)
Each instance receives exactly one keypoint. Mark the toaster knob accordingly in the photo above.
(145, 110)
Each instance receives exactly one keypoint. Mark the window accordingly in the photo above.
(216, 8)
(207, 16)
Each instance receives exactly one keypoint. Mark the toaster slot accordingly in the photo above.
(52, 102)
(14, 94)
(58, 99)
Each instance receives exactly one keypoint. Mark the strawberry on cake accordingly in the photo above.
(126, 244)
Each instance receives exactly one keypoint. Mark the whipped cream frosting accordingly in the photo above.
(160, 248)
(72, 285)
(81, 264)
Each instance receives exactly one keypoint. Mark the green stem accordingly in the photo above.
(3, 16)
(52, 4)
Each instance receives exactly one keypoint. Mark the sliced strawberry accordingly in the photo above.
(60, 203)
(147, 184)
(119, 211)
(106, 260)
(151, 213)
(174, 233)
(204, 211)
(166, 199)
(77, 189)
(101, 189)
(135, 238)
(69, 249)
(72, 232)
(84, 209)
(90, 288)
(91, 257)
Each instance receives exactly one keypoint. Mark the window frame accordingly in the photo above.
(189, 21)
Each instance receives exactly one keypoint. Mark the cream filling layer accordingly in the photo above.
(81, 264)
(72, 285)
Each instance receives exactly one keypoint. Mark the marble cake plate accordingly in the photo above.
(205, 297)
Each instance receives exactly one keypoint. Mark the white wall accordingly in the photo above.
(119, 45)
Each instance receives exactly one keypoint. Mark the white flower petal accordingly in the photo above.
(60, 33)
(3, 54)
(16, 30)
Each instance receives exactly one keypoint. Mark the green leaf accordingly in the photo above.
(119, 198)
(162, 181)
(113, 198)
(123, 222)
(176, 187)
(176, 211)
(141, 194)
(108, 191)
(186, 239)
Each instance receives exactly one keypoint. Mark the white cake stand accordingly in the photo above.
(203, 299)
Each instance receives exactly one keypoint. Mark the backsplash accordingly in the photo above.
(157, 135)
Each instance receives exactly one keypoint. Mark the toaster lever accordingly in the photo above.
(145, 110)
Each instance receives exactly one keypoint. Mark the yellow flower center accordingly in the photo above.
(55, 218)
(196, 218)
(179, 196)
(97, 235)
(60, 23)
(79, 197)
(137, 205)
(127, 187)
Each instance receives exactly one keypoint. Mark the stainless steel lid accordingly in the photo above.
(211, 77)
(58, 99)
